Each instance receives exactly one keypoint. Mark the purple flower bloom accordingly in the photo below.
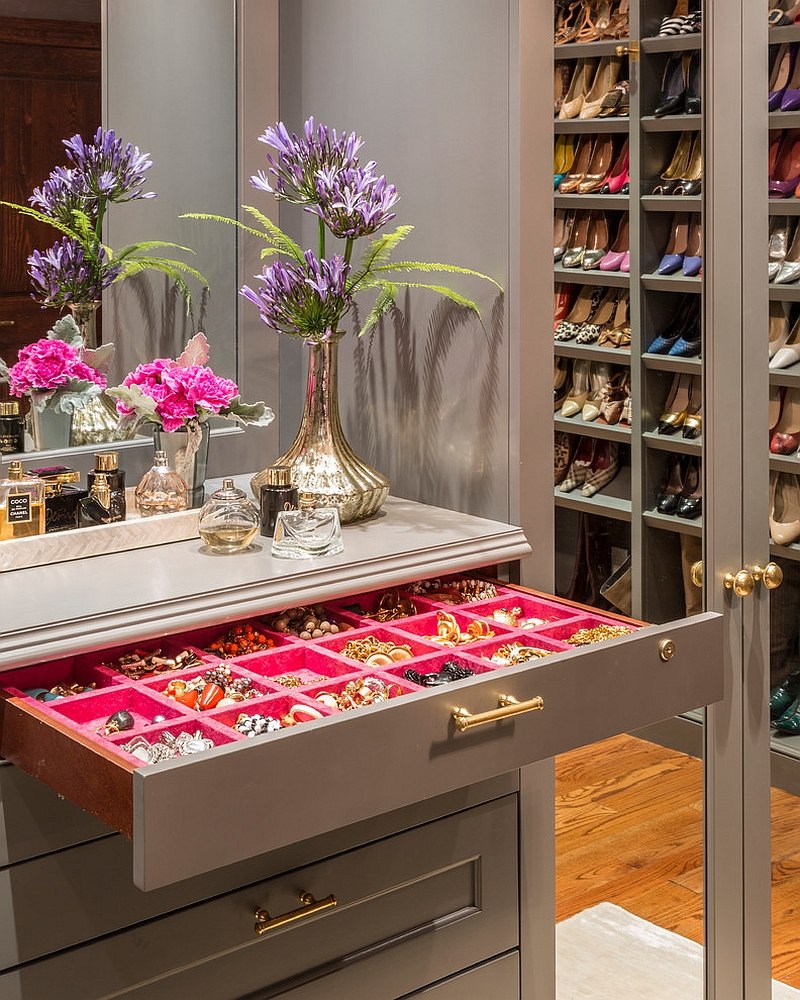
(64, 191)
(303, 301)
(66, 273)
(110, 168)
(354, 202)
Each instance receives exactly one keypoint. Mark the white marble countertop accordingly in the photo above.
(52, 611)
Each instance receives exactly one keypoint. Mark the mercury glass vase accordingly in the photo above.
(188, 461)
(321, 460)
(85, 315)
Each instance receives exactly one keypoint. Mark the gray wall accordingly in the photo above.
(426, 85)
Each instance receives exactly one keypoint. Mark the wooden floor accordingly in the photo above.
(629, 831)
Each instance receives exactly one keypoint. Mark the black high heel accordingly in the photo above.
(690, 504)
(693, 85)
(673, 87)
(671, 485)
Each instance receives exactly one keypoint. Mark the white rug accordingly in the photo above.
(606, 953)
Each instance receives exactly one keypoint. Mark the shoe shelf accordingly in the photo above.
(617, 508)
(785, 463)
(664, 363)
(672, 283)
(578, 125)
(613, 355)
(592, 428)
(669, 522)
(614, 202)
(577, 276)
(786, 376)
(673, 203)
(785, 551)
(589, 50)
(673, 443)
(673, 43)
(672, 123)
(784, 206)
(788, 33)
(785, 293)
(784, 119)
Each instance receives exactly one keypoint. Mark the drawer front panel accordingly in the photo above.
(421, 905)
(498, 979)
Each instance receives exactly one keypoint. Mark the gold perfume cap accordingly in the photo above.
(101, 491)
(15, 471)
(10, 409)
(306, 501)
(56, 475)
(106, 461)
(279, 475)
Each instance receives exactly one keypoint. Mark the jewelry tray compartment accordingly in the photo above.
(420, 741)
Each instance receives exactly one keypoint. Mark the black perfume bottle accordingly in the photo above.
(61, 497)
(107, 462)
(95, 509)
(12, 429)
(277, 495)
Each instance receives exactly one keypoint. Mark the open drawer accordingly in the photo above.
(341, 754)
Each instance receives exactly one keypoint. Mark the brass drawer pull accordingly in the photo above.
(265, 923)
(7, 322)
(509, 706)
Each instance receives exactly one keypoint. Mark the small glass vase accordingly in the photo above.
(321, 459)
(187, 454)
(50, 429)
(85, 315)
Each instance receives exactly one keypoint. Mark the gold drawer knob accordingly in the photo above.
(742, 583)
(666, 650)
(771, 575)
(265, 923)
(509, 706)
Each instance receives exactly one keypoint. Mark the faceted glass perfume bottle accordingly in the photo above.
(307, 532)
(161, 491)
(229, 520)
(21, 504)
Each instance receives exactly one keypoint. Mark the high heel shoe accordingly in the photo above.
(563, 156)
(605, 78)
(671, 485)
(690, 502)
(776, 393)
(580, 85)
(583, 308)
(561, 77)
(778, 244)
(678, 166)
(599, 165)
(786, 349)
(693, 100)
(605, 465)
(563, 452)
(580, 164)
(689, 344)
(616, 103)
(568, 22)
(619, 175)
(783, 695)
(560, 376)
(786, 173)
(599, 375)
(672, 260)
(579, 467)
(603, 314)
(673, 24)
(615, 257)
(612, 400)
(673, 87)
(618, 333)
(785, 438)
(691, 183)
(790, 100)
(789, 270)
(573, 254)
(782, 70)
(579, 389)
(693, 421)
(597, 241)
(684, 318)
(677, 405)
(563, 298)
(693, 259)
(784, 508)
(563, 224)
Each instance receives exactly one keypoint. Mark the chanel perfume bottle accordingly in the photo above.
(96, 508)
(278, 494)
(61, 497)
(308, 531)
(229, 520)
(161, 491)
(21, 504)
(12, 429)
(107, 462)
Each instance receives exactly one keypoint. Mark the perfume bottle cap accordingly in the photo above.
(56, 475)
(160, 460)
(9, 409)
(306, 501)
(228, 491)
(101, 491)
(106, 461)
(279, 475)
(15, 471)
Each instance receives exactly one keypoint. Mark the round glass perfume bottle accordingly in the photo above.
(229, 520)
(161, 491)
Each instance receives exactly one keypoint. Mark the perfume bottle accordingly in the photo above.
(107, 462)
(21, 504)
(12, 429)
(308, 531)
(96, 508)
(229, 520)
(278, 494)
(61, 497)
(161, 491)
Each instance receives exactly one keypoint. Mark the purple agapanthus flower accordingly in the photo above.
(65, 273)
(64, 191)
(354, 202)
(304, 301)
(110, 168)
(292, 174)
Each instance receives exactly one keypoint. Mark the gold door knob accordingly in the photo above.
(696, 573)
(771, 575)
(631, 50)
(742, 584)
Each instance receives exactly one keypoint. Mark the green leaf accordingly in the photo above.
(443, 290)
(277, 235)
(133, 248)
(384, 302)
(378, 251)
(32, 213)
(256, 414)
(428, 266)
(206, 217)
(133, 397)
(66, 329)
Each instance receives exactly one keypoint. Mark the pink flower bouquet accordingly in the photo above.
(184, 392)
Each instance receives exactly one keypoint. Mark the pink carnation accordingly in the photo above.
(49, 364)
(204, 388)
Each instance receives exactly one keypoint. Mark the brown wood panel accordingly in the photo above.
(44, 31)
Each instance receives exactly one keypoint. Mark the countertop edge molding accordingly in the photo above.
(420, 549)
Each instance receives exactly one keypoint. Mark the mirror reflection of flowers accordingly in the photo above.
(74, 200)
(178, 393)
(306, 294)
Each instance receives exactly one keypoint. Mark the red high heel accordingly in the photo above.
(564, 295)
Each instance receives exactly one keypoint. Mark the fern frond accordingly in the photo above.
(378, 251)
(276, 235)
(430, 266)
(384, 302)
(442, 290)
(206, 217)
(146, 245)
(162, 264)
(32, 213)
